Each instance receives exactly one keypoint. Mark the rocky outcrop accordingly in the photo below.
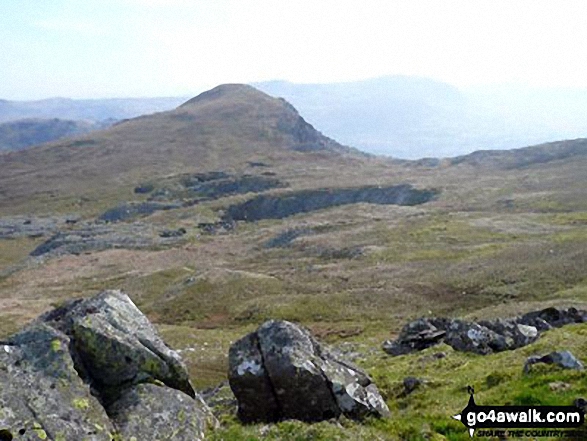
(231, 185)
(288, 204)
(97, 237)
(280, 371)
(483, 337)
(133, 210)
(93, 368)
(15, 227)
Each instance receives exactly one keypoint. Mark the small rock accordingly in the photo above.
(581, 403)
(564, 359)
(173, 233)
(410, 385)
(558, 386)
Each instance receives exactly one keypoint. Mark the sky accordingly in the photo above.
(142, 48)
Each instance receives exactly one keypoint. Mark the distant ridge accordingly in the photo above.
(526, 156)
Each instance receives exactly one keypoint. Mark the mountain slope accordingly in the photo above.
(222, 129)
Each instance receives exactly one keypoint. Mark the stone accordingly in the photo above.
(280, 371)
(87, 370)
(564, 359)
(554, 317)
(117, 344)
(483, 337)
(558, 386)
(472, 337)
(295, 372)
(416, 336)
(151, 412)
(410, 385)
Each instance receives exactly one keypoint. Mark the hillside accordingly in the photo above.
(232, 209)
(224, 129)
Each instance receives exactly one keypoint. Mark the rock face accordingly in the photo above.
(92, 368)
(280, 206)
(280, 371)
(483, 337)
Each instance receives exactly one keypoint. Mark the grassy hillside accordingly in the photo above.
(506, 234)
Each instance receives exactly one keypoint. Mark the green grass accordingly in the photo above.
(498, 379)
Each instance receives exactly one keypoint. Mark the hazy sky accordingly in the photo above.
(106, 48)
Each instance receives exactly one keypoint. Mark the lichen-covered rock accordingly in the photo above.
(41, 394)
(59, 374)
(280, 371)
(151, 412)
(117, 344)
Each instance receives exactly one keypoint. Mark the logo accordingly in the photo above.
(518, 417)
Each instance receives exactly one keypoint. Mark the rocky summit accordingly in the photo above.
(281, 372)
(96, 369)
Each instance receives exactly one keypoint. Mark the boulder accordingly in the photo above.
(553, 317)
(280, 371)
(117, 344)
(564, 359)
(471, 337)
(86, 371)
(410, 385)
(148, 411)
(416, 336)
(515, 334)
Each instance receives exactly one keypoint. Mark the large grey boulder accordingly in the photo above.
(148, 411)
(117, 344)
(280, 371)
(87, 371)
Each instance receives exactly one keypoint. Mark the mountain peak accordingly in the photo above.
(227, 91)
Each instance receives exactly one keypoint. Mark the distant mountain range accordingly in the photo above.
(89, 110)
(410, 117)
(23, 133)
(399, 116)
